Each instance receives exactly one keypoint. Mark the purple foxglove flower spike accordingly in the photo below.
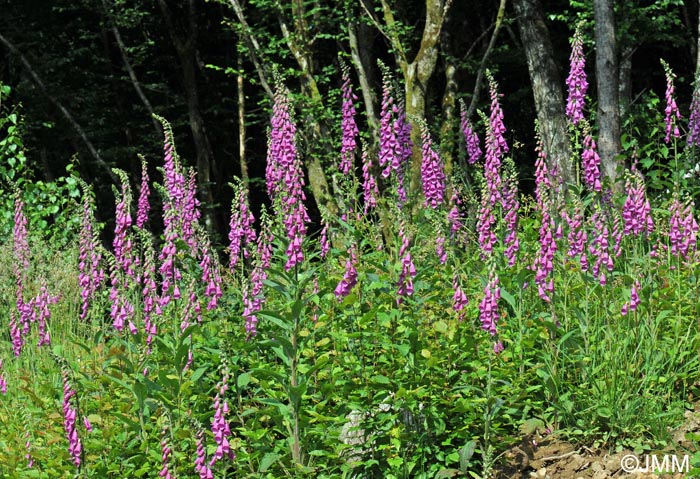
(349, 278)
(143, 205)
(388, 143)
(488, 308)
(408, 269)
(591, 163)
(219, 426)
(349, 126)
(636, 211)
(576, 81)
(673, 115)
(91, 275)
(694, 121)
(471, 139)
(369, 184)
(459, 299)
(454, 216)
(69, 415)
(241, 233)
(432, 172)
(283, 153)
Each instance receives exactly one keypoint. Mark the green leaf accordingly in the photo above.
(243, 380)
(268, 459)
(465, 455)
(380, 379)
(198, 373)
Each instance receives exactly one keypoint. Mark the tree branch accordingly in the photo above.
(482, 65)
(66, 114)
(130, 70)
(253, 47)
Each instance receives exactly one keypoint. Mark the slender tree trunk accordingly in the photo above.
(546, 86)
(361, 61)
(241, 119)
(607, 78)
(625, 86)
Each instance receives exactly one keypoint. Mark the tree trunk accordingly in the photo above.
(241, 120)
(187, 54)
(607, 78)
(359, 49)
(625, 87)
(546, 86)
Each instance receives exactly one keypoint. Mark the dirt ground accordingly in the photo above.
(552, 458)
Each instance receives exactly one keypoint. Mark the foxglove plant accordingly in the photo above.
(20, 267)
(459, 298)
(210, 272)
(599, 247)
(151, 305)
(369, 184)
(694, 121)
(408, 269)
(219, 425)
(576, 81)
(348, 125)
(40, 304)
(190, 212)
(488, 308)
(91, 275)
(617, 232)
(453, 216)
(544, 259)
(485, 225)
(200, 463)
(388, 143)
(173, 205)
(165, 453)
(634, 300)
(432, 172)
(636, 211)
(28, 449)
(440, 247)
(290, 177)
(577, 237)
(495, 142)
(264, 246)
(241, 231)
(123, 268)
(143, 205)
(325, 242)
(75, 448)
(683, 229)
(349, 277)
(591, 162)
(15, 334)
(471, 139)
(673, 115)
